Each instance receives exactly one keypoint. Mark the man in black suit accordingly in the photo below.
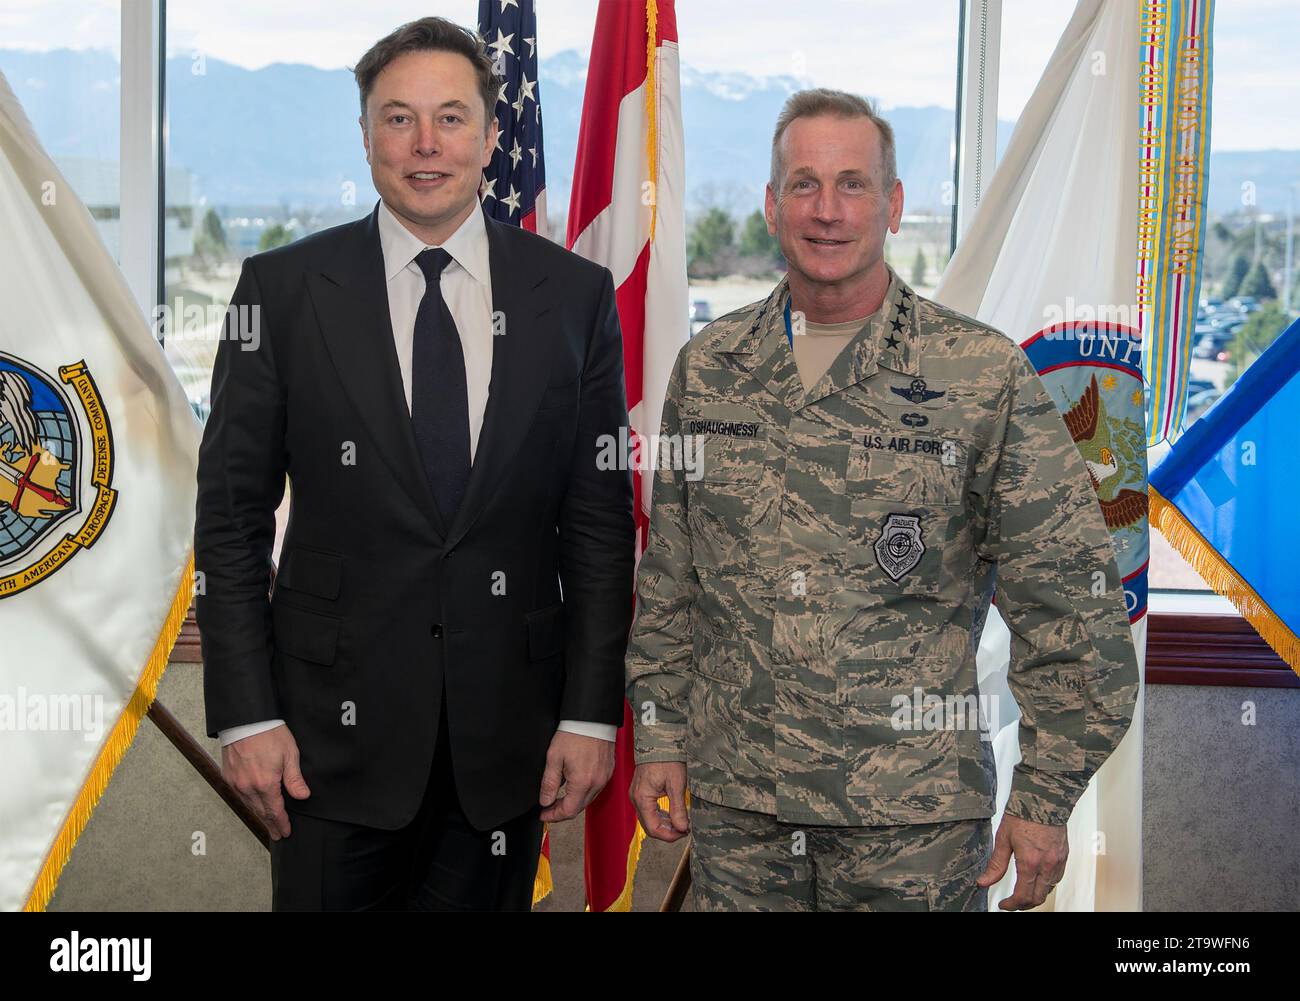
(436, 386)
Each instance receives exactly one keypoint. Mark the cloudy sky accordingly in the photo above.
(898, 51)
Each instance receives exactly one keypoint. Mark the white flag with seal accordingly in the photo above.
(1050, 259)
(98, 451)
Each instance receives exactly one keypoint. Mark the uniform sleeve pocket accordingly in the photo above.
(1049, 682)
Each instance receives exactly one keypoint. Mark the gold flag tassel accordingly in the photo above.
(1219, 574)
(542, 882)
(116, 745)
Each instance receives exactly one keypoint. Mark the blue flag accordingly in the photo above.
(1225, 495)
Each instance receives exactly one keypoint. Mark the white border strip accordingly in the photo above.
(138, 248)
(979, 111)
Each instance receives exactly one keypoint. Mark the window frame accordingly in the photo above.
(1183, 646)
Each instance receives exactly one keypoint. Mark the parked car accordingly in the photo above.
(1213, 346)
(1199, 403)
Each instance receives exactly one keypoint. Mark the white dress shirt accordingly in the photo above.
(467, 290)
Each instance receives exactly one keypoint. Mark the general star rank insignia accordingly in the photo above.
(899, 548)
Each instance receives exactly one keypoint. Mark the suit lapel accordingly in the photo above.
(351, 300)
(521, 361)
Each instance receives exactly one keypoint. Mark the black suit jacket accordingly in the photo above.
(377, 601)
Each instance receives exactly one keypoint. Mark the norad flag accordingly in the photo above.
(1050, 259)
(98, 447)
(1225, 495)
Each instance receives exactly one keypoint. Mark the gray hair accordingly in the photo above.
(838, 104)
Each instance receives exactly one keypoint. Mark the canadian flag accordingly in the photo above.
(627, 212)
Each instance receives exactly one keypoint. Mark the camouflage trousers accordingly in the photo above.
(745, 861)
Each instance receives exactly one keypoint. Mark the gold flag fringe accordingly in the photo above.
(651, 109)
(116, 745)
(1219, 574)
(624, 900)
(542, 882)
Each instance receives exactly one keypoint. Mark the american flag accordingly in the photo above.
(514, 183)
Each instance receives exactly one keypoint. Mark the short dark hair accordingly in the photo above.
(431, 34)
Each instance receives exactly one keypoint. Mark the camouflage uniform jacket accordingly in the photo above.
(840, 551)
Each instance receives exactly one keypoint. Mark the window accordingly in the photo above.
(735, 78)
(1254, 174)
(60, 58)
(263, 147)
(263, 144)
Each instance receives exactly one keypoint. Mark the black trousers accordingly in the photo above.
(438, 862)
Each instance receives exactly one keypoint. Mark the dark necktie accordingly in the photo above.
(439, 397)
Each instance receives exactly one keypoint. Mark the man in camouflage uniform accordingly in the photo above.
(803, 603)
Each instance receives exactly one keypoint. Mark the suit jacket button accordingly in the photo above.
(436, 629)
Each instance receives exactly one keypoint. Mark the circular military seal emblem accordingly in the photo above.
(56, 470)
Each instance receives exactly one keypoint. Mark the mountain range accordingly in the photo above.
(286, 135)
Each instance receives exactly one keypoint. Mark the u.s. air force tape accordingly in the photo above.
(905, 443)
(729, 429)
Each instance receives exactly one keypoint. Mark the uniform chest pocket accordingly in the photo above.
(725, 502)
(896, 548)
(902, 503)
(914, 470)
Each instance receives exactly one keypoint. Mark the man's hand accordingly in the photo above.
(652, 781)
(257, 765)
(583, 765)
(1040, 851)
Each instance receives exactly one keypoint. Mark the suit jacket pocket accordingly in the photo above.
(304, 634)
(312, 571)
(559, 398)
